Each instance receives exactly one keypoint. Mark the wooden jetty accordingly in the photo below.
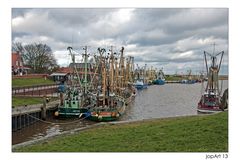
(23, 116)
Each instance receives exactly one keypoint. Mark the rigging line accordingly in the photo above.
(220, 92)
(54, 123)
(94, 74)
(75, 68)
(203, 66)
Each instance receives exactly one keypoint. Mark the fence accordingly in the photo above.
(37, 90)
(30, 76)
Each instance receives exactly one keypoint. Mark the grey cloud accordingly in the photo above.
(154, 36)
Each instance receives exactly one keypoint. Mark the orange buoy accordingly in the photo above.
(56, 114)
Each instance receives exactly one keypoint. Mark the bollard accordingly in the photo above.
(61, 98)
(44, 108)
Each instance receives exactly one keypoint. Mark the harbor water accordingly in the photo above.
(158, 101)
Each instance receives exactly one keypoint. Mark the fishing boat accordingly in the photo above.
(72, 104)
(211, 98)
(115, 91)
(109, 109)
(189, 79)
(151, 74)
(140, 84)
(160, 80)
(141, 81)
(75, 101)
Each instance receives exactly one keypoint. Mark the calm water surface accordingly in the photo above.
(168, 100)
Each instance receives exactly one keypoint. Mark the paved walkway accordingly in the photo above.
(32, 108)
(33, 88)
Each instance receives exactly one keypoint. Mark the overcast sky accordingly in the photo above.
(172, 39)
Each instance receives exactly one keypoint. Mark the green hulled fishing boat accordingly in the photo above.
(75, 101)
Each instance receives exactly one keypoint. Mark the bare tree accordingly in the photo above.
(17, 47)
(38, 56)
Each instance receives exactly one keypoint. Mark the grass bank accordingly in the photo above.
(21, 101)
(22, 82)
(173, 78)
(184, 134)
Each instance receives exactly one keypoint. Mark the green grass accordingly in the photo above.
(21, 82)
(187, 134)
(173, 78)
(21, 101)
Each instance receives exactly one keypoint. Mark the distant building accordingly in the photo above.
(65, 73)
(81, 67)
(61, 75)
(18, 67)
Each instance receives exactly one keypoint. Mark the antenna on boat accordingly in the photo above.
(70, 49)
(213, 70)
(214, 44)
(86, 65)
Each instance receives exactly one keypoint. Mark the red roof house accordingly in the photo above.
(17, 64)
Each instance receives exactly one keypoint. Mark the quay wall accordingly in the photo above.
(25, 116)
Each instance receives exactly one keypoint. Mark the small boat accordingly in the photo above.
(210, 101)
(141, 81)
(140, 84)
(160, 80)
(189, 79)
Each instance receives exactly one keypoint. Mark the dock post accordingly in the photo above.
(61, 98)
(44, 108)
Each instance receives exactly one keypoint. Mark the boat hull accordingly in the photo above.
(105, 116)
(71, 112)
(204, 108)
(208, 110)
(159, 82)
(103, 119)
(144, 86)
(109, 114)
(188, 81)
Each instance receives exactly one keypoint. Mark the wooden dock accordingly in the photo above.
(23, 116)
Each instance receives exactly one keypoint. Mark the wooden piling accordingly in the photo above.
(61, 98)
(44, 108)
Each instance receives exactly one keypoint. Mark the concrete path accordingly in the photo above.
(32, 108)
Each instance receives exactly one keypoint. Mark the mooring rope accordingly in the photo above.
(54, 123)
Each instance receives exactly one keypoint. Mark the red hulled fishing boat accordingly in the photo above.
(211, 98)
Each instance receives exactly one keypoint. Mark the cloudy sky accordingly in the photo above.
(172, 39)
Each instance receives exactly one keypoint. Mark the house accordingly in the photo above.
(65, 73)
(61, 75)
(18, 67)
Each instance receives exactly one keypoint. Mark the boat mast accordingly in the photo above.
(74, 66)
(111, 59)
(127, 74)
(116, 76)
(104, 81)
(144, 73)
(132, 69)
(85, 57)
(121, 68)
(213, 70)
